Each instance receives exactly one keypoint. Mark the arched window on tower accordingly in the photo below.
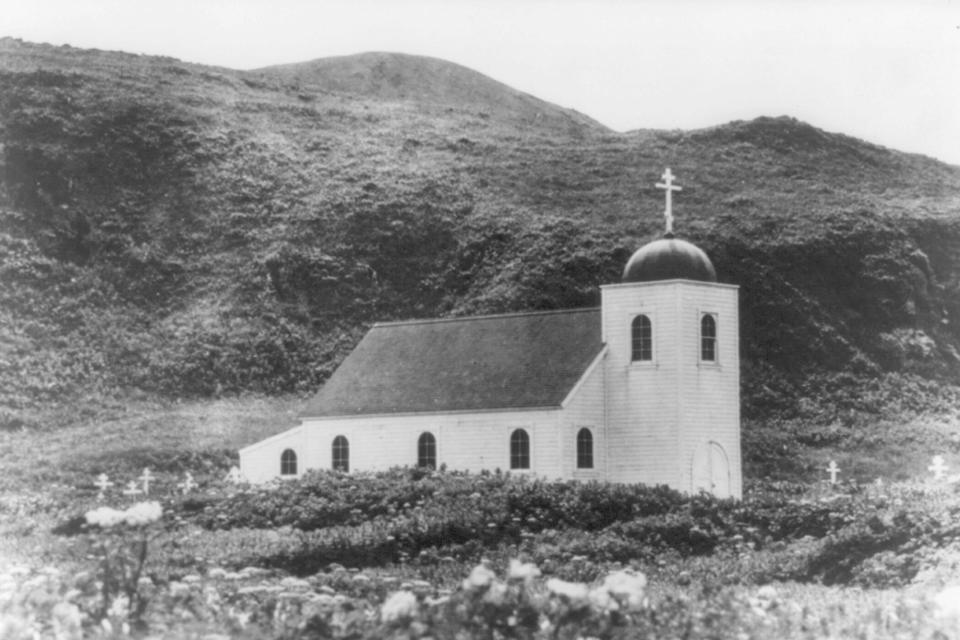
(708, 338)
(427, 451)
(641, 332)
(288, 462)
(519, 450)
(584, 449)
(341, 454)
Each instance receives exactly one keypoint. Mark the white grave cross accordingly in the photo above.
(188, 483)
(833, 470)
(103, 483)
(132, 489)
(668, 185)
(939, 468)
(234, 475)
(145, 478)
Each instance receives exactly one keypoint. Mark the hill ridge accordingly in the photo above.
(193, 231)
(424, 79)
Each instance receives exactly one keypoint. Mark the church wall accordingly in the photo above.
(641, 396)
(662, 413)
(465, 441)
(710, 406)
(584, 408)
(260, 462)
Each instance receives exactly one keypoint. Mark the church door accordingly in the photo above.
(711, 470)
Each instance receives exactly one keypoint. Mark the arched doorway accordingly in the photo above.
(710, 470)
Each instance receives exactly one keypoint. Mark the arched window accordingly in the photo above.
(708, 338)
(341, 454)
(641, 332)
(519, 450)
(427, 450)
(584, 449)
(288, 462)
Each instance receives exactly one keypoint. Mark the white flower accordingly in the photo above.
(602, 601)
(627, 587)
(480, 577)
(104, 517)
(67, 621)
(522, 570)
(139, 514)
(765, 601)
(496, 594)
(399, 606)
(575, 592)
(948, 602)
(143, 513)
(120, 607)
(294, 583)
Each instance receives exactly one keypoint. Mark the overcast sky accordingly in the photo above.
(886, 71)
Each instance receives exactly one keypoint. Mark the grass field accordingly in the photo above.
(396, 554)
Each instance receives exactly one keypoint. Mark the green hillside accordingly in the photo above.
(194, 231)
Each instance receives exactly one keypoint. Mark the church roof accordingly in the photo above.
(511, 361)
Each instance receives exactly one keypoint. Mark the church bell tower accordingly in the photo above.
(673, 368)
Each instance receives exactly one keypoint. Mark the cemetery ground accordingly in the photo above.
(414, 553)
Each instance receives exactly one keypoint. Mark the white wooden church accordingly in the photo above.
(644, 389)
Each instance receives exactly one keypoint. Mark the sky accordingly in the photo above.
(887, 71)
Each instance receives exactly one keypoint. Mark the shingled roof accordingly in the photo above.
(511, 361)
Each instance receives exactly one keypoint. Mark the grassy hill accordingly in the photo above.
(186, 230)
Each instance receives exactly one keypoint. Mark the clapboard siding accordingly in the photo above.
(641, 396)
(260, 462)
(711, 412)
(465, 441)
(660, 411)
(585, 408)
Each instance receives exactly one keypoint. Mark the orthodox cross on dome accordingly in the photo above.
(669, 187)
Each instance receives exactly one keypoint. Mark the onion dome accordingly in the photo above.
(669, 258)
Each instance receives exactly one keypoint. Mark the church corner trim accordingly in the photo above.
(584, 376)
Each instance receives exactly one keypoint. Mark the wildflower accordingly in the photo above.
(575, 593)
(627, 587)
(522, 570)
(13, 626)
(479, 578)
(948, 602)
(239, 618)
(104, 517)
(401, 605)
(143, 513)
(67, 622)
(296, 583)
(120, 607)
(765, 600)
(496, 594)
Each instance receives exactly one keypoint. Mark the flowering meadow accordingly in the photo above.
(410, 553)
